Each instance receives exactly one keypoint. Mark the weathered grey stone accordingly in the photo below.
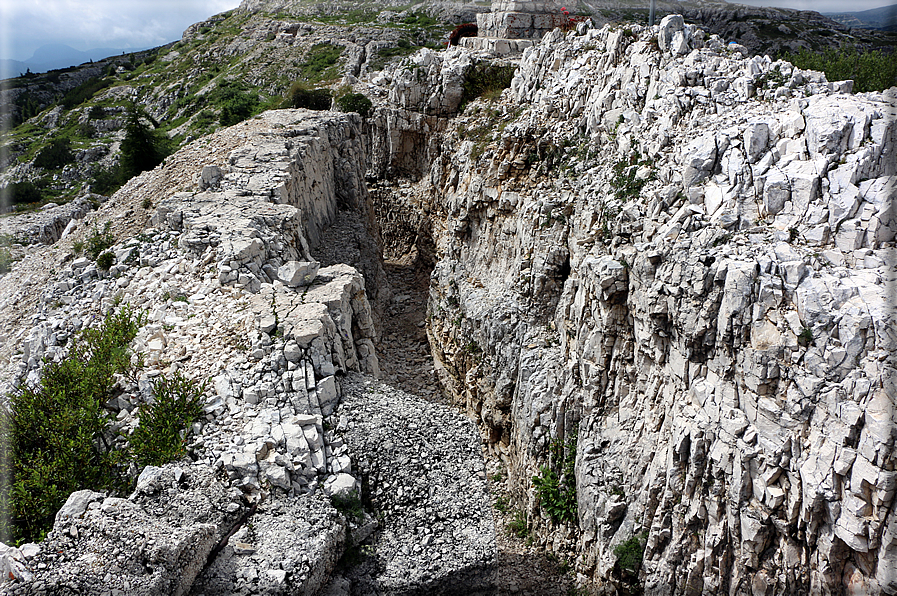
(298, 273)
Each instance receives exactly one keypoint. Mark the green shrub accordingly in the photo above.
(85, 91)
(518, 526)
(98, 241)
(20, 193)
(164, 425)
(205, 119)
(28, 107)
(355, 102)
(806, 337)
(86, 130)
(557, 490)
(869, 71)
(55, 438)
(235, 101)
(300, 96)
(6, 260)
(630, 554)
(625, 183)
(55, 155)
(349, 505)
(107, 180)
(320, 63)
(105, 261)
(486, 79)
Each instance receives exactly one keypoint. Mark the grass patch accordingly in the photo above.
(99, 241)
(6, 260)
(235, 101)
(518, 526)
(486, 80)
(321, 63)
(85, 91)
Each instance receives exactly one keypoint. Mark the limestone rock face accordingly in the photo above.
(684, 258)
(153, 543)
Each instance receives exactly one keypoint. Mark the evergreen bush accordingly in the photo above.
(301, 96)
(162, 433)
(355, 102)
(55, 155)
(869, 71)
(54, 431)
(143, 148)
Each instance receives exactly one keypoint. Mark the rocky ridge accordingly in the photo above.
(683, 256)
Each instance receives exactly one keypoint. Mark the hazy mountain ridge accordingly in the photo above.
(884, 18)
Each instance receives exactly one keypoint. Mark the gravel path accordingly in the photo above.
(405, 362)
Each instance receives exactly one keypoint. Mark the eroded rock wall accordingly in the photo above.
(684, 257)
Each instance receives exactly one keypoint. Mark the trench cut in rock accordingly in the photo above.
(677, 254)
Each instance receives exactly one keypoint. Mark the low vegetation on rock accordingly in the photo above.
(556, 482)
(57, 434)
(872, 70)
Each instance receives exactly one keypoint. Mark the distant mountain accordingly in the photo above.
(884, 18)
(12, 68)
(57, 55)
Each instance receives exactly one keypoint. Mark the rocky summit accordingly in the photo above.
(656, 275)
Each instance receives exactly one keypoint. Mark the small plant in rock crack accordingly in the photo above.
(99, 241)
(349, 505)
(161, 436)
(630, 554)
(627, 185)
(806, 337)
(105, 261)
(556, 483)
(518, 526)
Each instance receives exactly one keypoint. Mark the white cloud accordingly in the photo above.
(86, 24)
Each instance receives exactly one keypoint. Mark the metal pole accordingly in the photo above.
(651, 19)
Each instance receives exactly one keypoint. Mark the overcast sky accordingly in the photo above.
(25, 25)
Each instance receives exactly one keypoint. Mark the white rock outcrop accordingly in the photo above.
(684, 258)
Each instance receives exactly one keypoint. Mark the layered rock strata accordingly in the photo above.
(684, 258)
(520, 19)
